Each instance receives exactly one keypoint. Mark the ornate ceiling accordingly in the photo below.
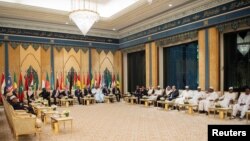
(136, 16)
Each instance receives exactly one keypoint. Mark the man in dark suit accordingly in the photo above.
(105, 90)
(19, 105)
(85, 91)
(144, 91)
(78, 94)
(15, 92)
(45, 94)
(137, 93)
(116, 91)
(55, 94)
(174, 94)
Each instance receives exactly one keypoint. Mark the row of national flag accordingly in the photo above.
(70, 81)
(74, 80)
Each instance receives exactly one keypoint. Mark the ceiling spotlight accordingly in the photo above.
(150, 1)
(170, 5)
(66, 23)
(114, 29)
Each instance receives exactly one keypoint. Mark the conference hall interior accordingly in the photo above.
(123, 70)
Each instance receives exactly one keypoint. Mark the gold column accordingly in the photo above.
(214, 72)
(151, 53)
(154, 64)
(209, 58)
(201, 42)
(147, 52)
(2, 58)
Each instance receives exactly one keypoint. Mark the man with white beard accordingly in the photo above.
(225, 99)
(168, 90)
(243, 104)
(208, 101)
(150, 91)
(185, 95)
(197, 95)
(158, 92)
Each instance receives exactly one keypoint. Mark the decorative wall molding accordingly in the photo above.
(54, 41)
(46, 47)
(58, 48)
(234, 24)
(165, 18)
(14, 45)
(177, 38)
(191, 18)
(47, 34)
(25, 46)
(134, 48)
(106, 51)
(33, 25)
(85, 50)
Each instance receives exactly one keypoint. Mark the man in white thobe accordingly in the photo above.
(97, 92)
(225, 99)
(185, 95)
(150, 91)
(243, 104)
(196, 96)
(168, 90)
(208, 101)
(158, 92)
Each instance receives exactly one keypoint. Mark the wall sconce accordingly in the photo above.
(243, 48)
(243, 42)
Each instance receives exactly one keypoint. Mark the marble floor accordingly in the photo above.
(123, 122)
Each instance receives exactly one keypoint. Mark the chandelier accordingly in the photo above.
(84, 14)
(243, 42)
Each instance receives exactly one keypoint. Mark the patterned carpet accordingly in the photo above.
(123, 122)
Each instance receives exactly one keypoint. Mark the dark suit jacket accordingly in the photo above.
(31, 97)
(78, 93)
(114, 90)
(45, 95)
(173, 95)
(85, 92)
(105, 91)
(54, 93)
(144, 92)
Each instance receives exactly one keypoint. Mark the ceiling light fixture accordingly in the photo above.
(84, 14)
(150, 1)
(170, 5)
(243, 42)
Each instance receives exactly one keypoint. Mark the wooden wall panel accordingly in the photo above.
(95, 63)
(58, 62)
(214, 77)
(45, 63)
(202, 53)
(84, 62)
(30, 57)
(72, 60)
(14, 61)
(101, 61)
(154, 65)
(147, 54)
(2, 58)
(151, 64)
